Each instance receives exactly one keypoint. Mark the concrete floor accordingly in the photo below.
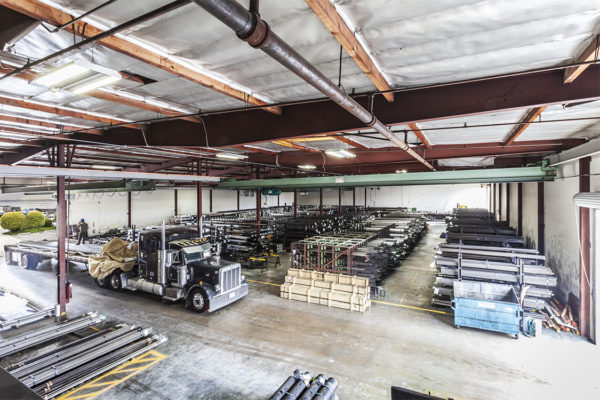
(247, 350)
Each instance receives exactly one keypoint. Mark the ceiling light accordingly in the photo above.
(94, 84)
(340, 153)
(403, 171)
(78, 77)
(231, 156)
(106, 167)
(307, 166)
(60, 75)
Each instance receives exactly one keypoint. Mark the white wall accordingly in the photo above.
(434, 198)
(530, 215)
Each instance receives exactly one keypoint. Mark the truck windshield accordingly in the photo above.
(193, 256)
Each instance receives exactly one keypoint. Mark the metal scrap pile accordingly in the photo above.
(302, 386)
(57, 357)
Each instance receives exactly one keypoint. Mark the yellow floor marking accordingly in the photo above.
(109, 380)
(374, 301)
(408, 287)
(264, 283)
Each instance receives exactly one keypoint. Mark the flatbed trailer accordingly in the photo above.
(28, 254)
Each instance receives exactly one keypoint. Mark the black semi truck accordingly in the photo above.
(177, 265)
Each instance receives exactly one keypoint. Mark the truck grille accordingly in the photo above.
(230, 277)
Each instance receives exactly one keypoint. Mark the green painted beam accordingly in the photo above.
(524, 174)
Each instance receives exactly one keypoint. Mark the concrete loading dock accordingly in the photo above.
(405, 148)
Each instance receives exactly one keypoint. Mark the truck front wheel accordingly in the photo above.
(114, 280)
(197, 300)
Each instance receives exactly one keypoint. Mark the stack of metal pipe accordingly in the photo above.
(303, 386)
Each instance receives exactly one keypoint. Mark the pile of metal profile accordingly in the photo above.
(522, 268)
(57, 357)
(373, 253)
(310, 225)
(16, 311)
(479, 227)
(301, 385)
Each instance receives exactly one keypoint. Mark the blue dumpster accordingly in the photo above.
(489, 306)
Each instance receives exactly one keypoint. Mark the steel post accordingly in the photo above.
(61, 232)
(210, 201)
(508, 203)
(320, 201)
(584, 236)
(520, 209)
(129, 209)
(494, 209)
(295, 203)
(500, 202)
(238, 200)
(354, 199)
(365, 198)
(258, 211)
(339, 200)
(541, 224)
(175, 201)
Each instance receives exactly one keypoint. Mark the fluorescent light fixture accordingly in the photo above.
(61, 75)
(231, 156)
(78, 77)
(340, 153)
(307, 166)
(106, 167)
(401, 171)
(95, 84)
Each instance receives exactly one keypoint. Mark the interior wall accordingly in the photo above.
(530, 214)
(513, 204)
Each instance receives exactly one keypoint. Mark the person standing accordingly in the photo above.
(83, 231)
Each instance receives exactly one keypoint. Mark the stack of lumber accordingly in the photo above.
(333, 290)
(559, 317)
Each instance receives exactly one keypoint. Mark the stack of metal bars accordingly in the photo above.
(522, 268)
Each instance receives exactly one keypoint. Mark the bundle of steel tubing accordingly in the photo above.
(302, 386)
(63, 363)
(310, 225)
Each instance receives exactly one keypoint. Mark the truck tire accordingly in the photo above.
(29, 261)
(196, 300)
(114, 280)
(102, 282)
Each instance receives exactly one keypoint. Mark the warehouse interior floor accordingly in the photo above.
(247, 350)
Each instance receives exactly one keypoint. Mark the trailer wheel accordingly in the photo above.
(29, 261)
(114, 280)
(197, 300)
(102, 282)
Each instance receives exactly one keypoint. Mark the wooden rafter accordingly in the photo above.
(289, 144)
(338, 27)
(35, 122)
(59, 110)
(589, 54)
(51, 15)
(525, 121)
(417, 131)
(351, 142)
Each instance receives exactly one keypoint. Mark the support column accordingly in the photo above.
(584, 262)
(295, 203)
(61, 232)
(365, 198)
(210, 203)
(199, 207)
(354, 199)
(541, 223)
(500, 202)
(320, 201)
(278, 200)
(508, 202)
(258, 211)
(520, 209)
(494, 197)
(129, 209)
(175, 191)
(238, 200)
(339, 200)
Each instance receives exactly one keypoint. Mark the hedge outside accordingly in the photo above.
(47, 222)
(13, 221)
(35, 219)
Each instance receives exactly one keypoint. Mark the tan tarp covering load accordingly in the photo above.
(115, 254)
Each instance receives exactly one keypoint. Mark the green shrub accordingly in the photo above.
(35, 219)
(47, 222)
(13, 221)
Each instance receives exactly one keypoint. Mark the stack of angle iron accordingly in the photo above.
(479, 227)
(50, 361)
(302, 386)
(522, 268)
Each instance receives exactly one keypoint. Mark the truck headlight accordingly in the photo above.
(217, 287)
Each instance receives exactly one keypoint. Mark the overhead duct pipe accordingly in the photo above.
(250, 27)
